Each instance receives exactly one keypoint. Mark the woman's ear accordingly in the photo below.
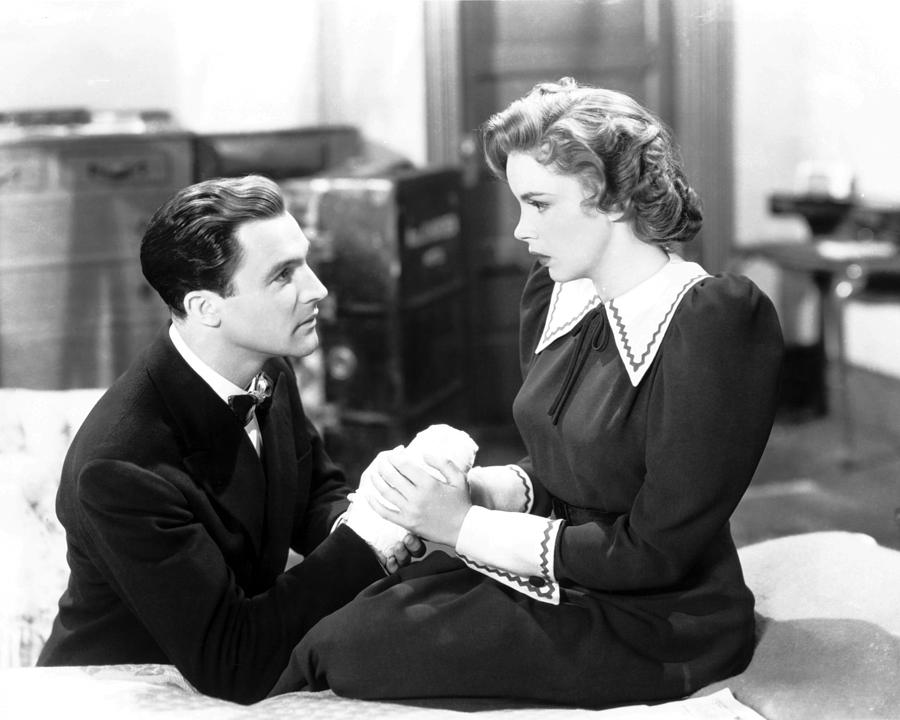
(617, 214)
(203, 306)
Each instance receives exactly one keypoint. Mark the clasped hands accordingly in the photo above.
(428, 499)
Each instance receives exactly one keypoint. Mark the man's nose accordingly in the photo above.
(311, 288)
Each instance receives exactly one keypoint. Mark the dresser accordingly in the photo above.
(74, 306)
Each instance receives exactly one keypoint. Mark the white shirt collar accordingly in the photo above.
(639, 318)
(220, 385)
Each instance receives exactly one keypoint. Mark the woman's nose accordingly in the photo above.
(520, 232)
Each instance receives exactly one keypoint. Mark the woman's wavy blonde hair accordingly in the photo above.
(624, 155)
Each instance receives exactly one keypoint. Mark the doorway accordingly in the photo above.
(483, 54)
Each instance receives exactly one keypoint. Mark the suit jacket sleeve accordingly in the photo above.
(170, 572)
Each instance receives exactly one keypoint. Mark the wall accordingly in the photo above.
(224, 65)
(240, 70)
(372, 70)
(100, 54)
(816, 81)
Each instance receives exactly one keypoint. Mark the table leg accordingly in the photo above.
(840, 289)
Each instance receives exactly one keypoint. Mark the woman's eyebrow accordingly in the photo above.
(531, 194)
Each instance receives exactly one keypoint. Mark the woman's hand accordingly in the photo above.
(500, 487)
(406, 493)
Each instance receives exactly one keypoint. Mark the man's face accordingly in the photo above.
(273, 307)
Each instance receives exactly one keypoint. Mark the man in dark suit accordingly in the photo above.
(179, 501)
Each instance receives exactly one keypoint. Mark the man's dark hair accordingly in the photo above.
(190, 242)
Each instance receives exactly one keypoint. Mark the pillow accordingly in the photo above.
(42, 421)
(36, 427)
(828, 606)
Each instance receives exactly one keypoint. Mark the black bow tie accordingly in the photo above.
(258, 393)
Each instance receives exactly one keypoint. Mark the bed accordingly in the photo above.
(828, 604)
(828, 649)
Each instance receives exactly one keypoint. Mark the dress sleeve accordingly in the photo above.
(533, 309)
(513, 548)
(711, 408)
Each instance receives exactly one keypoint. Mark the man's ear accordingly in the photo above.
(203, 306)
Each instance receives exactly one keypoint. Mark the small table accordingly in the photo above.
(840, 269)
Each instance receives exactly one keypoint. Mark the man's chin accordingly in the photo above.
(305, 345)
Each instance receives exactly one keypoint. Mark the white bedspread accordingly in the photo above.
(159, 691)
(828, 649)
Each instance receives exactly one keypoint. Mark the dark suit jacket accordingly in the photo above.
(177, 538)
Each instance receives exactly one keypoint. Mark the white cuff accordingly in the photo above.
(502, 487)
(380, 534)
(512, 548)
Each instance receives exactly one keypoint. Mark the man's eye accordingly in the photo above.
(285, 275)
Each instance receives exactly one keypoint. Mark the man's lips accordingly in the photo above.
(310, 320)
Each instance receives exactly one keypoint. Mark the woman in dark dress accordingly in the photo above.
(600, 569)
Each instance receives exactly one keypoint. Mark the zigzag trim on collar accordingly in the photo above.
(551, 331)
(637, 366)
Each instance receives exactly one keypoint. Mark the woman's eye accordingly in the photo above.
(538, 205)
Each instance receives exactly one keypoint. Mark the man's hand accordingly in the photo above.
(403, 552)
(407, 493)
(393, 545)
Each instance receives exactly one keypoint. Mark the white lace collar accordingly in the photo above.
(639, 318)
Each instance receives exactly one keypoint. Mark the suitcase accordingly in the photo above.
(393, 328)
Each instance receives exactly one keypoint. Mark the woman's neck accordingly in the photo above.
(627, 263)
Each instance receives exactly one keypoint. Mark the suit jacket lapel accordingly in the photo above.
(218, 454)
(280, 459)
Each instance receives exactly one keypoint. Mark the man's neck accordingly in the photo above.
(227, 361)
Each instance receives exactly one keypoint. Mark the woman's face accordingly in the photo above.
(568, 238)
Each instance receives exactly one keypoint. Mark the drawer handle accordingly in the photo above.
(10, 176)
(119, 172)
(434, 257)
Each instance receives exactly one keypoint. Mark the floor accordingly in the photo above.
(805, 482)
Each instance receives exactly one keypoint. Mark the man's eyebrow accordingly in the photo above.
(289, 262)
